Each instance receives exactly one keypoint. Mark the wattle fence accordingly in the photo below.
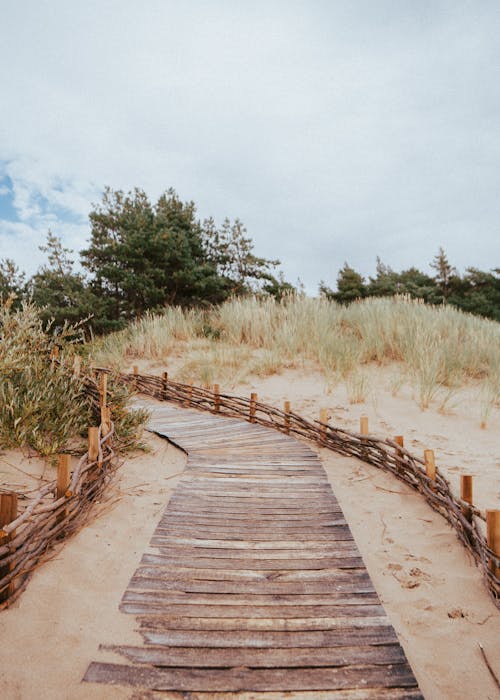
(56, 510)
(62, 507)
(422, 475)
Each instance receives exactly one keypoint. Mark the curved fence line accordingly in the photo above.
(467, 520)
(26, 539)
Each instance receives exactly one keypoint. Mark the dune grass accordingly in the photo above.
(42, 405)
(437, 349)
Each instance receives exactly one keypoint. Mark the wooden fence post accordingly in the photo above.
(63, 474)
(430, 464)
(105, 420)
(253, 407)
(63, 480)
(466, 494)
(216, 398)
(93, 436)
(286, 408)
(323, 419)
(493, 537)
(8, 508)
(8, 513)
(399, 440)
(103, 389)
(164, 384)
(363, 425)
(187, 402)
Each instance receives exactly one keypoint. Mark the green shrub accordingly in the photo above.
(42, 405)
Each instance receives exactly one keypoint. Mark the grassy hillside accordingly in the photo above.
(435, 348)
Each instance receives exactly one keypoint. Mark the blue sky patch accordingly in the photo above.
(7, 210)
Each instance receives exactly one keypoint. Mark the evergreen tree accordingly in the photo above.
(143, 256)
(231, 250)
(350, 285)
(385, 283)
(62, 294)
(445, 275)
(479, 293)
(12, 282)
(418, 285)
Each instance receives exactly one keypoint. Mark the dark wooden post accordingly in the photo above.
(8, 513)
(323, 419)
(253, 407)
(63, 480)
(103, 389)
(466, 494)
(216, 398)
(164, 384)
(287, 417)
(399, 440)
(189, 397)
(493, 537)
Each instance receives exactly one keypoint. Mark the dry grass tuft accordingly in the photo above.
(437, 349)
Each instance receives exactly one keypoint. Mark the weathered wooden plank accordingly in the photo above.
(248, 497)
(174, 524)
(223, 508)
(136, 603)
(317, 553)
(248, 533)
(220, 574)
(341, 592)
(257, 563)
(248, 587)
(216, 487)
(211, 517)
(340, 532)
(263, 658)
(270, 624)
(240, 679)
(353, 578)
(348, 636)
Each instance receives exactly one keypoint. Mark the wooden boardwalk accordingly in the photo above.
(255, 583)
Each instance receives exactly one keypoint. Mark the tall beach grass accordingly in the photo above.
(437, 348)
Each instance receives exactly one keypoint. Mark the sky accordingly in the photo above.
(335, 130)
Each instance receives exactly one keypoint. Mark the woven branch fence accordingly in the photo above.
(57, 510)
(467, 520)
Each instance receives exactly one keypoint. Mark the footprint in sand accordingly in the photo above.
(412, 578)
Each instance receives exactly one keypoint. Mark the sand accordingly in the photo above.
(70, 607)
(433, 593)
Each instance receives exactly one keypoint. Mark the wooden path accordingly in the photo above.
(255, 583)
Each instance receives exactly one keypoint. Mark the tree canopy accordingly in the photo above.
(143, 256)
(476, 291)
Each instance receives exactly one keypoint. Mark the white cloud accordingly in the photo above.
(335, 131)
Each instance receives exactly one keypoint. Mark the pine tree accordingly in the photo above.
(445, 274)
